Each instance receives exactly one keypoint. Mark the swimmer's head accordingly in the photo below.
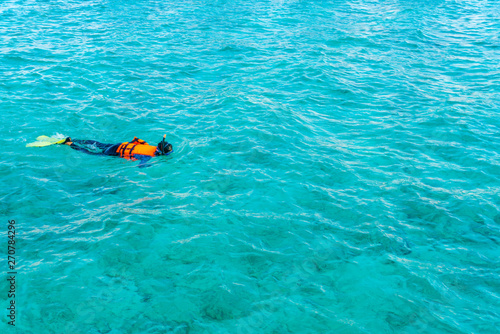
(163, 147)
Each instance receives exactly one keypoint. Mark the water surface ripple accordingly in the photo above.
(336, 166)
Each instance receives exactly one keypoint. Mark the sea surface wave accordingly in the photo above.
(336, 166)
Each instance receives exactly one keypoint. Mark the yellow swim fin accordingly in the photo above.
(46, 141)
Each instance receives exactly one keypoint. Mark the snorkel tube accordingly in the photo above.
(164, 147)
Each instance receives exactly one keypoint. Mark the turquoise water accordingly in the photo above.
(336, 166)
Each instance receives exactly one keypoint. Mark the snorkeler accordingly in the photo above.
(137, 149)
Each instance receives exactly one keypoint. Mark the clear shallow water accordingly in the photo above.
(336, 166)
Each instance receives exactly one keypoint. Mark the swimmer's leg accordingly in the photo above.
(86, 146)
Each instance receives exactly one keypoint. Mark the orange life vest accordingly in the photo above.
(127, 150)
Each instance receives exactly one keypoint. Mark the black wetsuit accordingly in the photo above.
(94, 147)
(97, 148)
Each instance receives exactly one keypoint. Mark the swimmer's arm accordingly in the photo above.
(143, 160)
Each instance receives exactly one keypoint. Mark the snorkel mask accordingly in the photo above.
(163, 147)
